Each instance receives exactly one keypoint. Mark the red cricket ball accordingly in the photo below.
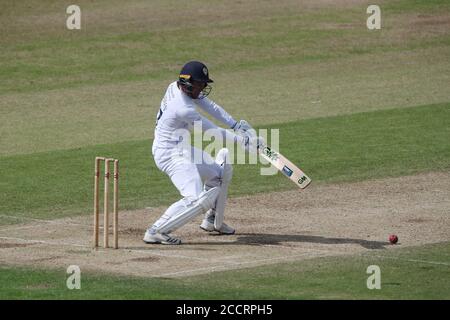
(393, 239)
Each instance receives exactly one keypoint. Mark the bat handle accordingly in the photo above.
(260, 147)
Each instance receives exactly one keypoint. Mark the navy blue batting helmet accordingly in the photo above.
(195, 71)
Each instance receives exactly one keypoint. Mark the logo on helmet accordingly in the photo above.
(205, 71)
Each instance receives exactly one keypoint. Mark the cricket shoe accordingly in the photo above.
(208, 226)
(162, 238)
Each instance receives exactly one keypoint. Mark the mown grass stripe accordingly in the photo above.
(354, 147)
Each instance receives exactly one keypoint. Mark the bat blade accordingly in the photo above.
(289, 169)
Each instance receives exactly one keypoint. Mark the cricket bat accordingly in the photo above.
(289, 169)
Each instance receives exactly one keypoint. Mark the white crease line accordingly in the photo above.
(45, 242)
(43, 225)
(217, 268)
(294, 247)
(295, 256)
(415, 260)
(23, 218)
(168, 255)
(35, 219)
(223, 268)
(56, 221)
(33, 226)
(324, 251)
(42, 221)
(21, 227)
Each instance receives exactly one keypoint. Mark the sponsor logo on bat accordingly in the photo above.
(302, 179)
(287, 171)
(271, 154)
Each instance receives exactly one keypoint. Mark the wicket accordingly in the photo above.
(106, 203)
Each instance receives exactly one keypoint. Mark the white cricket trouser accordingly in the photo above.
(187, 176)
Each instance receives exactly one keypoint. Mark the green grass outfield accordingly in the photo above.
(271, 63)
(412, 273)
(351, 105)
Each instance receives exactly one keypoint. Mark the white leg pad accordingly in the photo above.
(205, 201)
(227, 173)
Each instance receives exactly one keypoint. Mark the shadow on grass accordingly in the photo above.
(278, 239)
(258, 239)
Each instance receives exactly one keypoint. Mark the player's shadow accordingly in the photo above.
(259, 239)
(279, 239)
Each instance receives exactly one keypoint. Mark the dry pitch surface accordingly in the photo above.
(323, 220)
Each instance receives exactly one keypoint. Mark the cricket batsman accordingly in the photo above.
(203, 184)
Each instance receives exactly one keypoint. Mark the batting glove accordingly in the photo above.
(241, 127)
